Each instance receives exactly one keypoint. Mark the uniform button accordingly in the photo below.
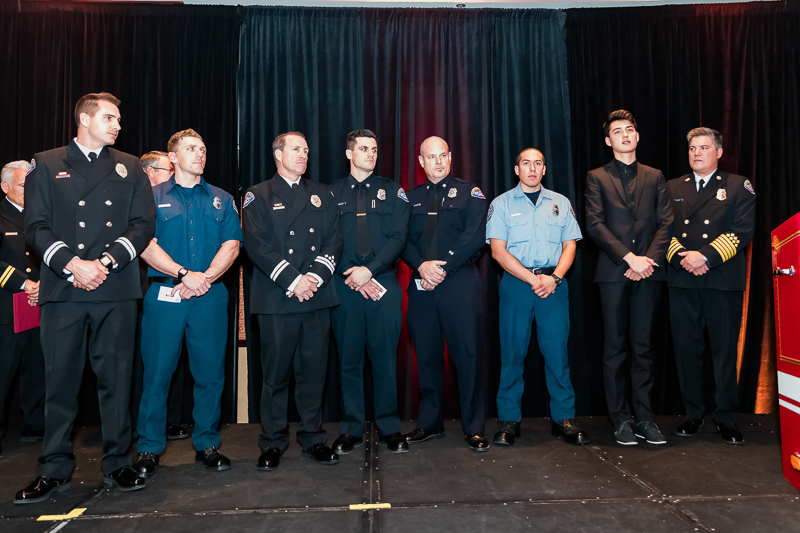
(705, 222)
(191, 239)
(190, 205)
(683, 235)
(352, 186)
(634, 240)
(108, 224)
(165, 218)
(107, 245)
(108, 202)
(192, 255)
(311, 230)
(291, 251)
(705, 236)
(192, 222)
(27, 270)
(81, 203)
(82, 224)
(313, 248)
(27, 253)
(291, 232)
(80, 247)
(686, 221)
(367, 184)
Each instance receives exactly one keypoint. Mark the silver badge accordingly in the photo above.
(217, 202)
(315, 201)
(555, 209)
(381, 194)
(452, 193)
(121, 170)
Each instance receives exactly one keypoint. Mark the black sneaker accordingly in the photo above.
(624, 434)
(649, 431)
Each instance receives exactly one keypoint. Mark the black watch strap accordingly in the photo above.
(558, 280)
(181, 273)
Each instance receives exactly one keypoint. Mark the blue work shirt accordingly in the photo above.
(534, 233)
(192, 224)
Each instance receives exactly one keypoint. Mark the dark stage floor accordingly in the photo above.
(697, 484)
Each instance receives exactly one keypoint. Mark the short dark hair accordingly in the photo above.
(519, 155)
(151, 159)
(88, 104)
(175, 140)
(619, 114)
(353, 135)
(280, 141)
(716, 137)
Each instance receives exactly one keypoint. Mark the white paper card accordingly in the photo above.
(163, 295)
(381, 287)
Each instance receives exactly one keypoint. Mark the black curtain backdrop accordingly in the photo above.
(172, 67)
(731, 67)
(490, 82)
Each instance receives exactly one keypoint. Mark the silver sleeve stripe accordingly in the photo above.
(278, 269)
(50, 252)
(326, 262)
(128, 245)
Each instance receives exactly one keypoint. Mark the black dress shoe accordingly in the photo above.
(395, 442)
(31, 436)
(421, 435)
(345, 443)
(689, 427)
(146, 464)
(213, 459)
(125, 479)
(507, 433)
(477, 442)
(569, 431)
(730, 434)
(269, 459)
(322, 454)
(176, 432)
(40, 489)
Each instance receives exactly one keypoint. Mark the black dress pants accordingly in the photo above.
(22, 352)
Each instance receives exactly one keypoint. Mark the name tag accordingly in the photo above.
(9, 233)
(62, 175)
(515, 214)
(164, 205)
(163, 295)
(278, 206)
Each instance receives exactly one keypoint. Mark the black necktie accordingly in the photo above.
(363, 246)
(431, 246)
(92, 157)
(700, 185)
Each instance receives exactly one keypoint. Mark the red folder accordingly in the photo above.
(26, 316)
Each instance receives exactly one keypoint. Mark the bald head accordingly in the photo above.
(434, 157)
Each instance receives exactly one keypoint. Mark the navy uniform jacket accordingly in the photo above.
(461, 230)
(287, 234)
(77, 208)
(718, 223)
(387, 213)
(18, 261)
(617, 230)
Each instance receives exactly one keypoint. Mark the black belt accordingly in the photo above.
(546, 270)
(166, 280)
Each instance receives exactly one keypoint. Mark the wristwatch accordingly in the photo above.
(558, 280)
(181, 273)
(106, 261)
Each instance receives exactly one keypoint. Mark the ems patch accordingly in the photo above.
(249, 197)
(747, 185)
(234, 206)
(33, 165)
(489, 214)
(476, 192)
(402, 194)
(573, 212)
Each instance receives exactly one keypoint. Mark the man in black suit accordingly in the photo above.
(19, 271)
(714, 221)
(292, 235)
(629, 218)
(90, 212)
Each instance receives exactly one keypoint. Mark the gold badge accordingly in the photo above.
(121, 170)
(315, 201)
(452, 193)
(721, 195)
(381, 194)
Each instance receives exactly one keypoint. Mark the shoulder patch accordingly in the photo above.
(489, 214)
(573, 212)
(402, 195)
(249, 197)
(747, 185)
(476, 192)
(234, 206)
(33, 165)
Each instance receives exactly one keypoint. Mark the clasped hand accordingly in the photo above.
(694, 262)
(432, 274)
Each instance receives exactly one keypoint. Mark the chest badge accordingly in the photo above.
(721, 195)
(217, 202)
(381, 194)
(555, 209)
(121, 170)
(452, 193)
(315, 201)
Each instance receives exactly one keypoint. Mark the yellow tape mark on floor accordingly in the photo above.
(75, 513)
(368, 506)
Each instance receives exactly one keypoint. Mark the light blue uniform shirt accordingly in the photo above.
(534, 233)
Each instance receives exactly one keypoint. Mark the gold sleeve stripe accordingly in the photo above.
(726, 245)
(6, 275)
(674, 246)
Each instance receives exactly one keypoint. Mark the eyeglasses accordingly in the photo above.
(164, 169)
